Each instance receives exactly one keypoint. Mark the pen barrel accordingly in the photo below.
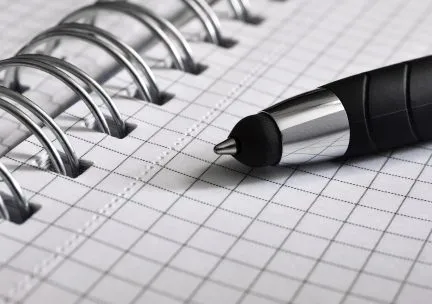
(389, 107)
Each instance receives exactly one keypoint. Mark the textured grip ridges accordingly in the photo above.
(389, 107)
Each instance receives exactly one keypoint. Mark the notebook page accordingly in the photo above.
(159, 219)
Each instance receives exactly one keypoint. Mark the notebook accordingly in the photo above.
(152, 215)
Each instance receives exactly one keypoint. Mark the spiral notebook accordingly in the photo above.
(120, 199)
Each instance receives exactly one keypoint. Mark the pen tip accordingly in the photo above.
(227, 147)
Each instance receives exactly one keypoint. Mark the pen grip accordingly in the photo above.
(389, 107)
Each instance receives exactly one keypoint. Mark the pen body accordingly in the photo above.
(388, 107)
(373, 111)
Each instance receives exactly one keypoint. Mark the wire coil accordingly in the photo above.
(241, 9)
(20, 115)
(43, 66)
(102, 39)
(72, 159)
(38, 54)
(208, 18)
(20, 201)
(168, 34)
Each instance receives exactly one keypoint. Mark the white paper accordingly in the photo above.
(159, 218)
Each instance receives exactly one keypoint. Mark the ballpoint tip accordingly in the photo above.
(227, 147)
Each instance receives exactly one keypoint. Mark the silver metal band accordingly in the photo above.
(175, 43)
(208, 18)
(205, 14)
(147, 88)
(17, 193)
(55, 33)
(60, 75)
(49, 122)
(86, 79)
(4, 212)
(241, 9)
(54, 155)
(314, 127)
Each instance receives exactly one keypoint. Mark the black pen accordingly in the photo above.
(373, 111)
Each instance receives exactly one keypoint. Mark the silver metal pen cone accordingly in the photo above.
(227, 147)
(314, 127)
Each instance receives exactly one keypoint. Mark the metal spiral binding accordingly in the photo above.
(208, 19)
(205, 14)
(17, 193)
(175, 43)
(147, 88)
(73, 162)
(13, 102)
(18, 61)
(56, 160)
(87, 80)
(241, 9)
(62, 31)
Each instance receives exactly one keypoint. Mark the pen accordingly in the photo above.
(373, 111)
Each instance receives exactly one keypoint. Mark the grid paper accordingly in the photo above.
(198, 228)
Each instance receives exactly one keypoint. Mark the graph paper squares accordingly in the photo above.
(306, 223)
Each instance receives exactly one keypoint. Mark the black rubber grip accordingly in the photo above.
(389, 107)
